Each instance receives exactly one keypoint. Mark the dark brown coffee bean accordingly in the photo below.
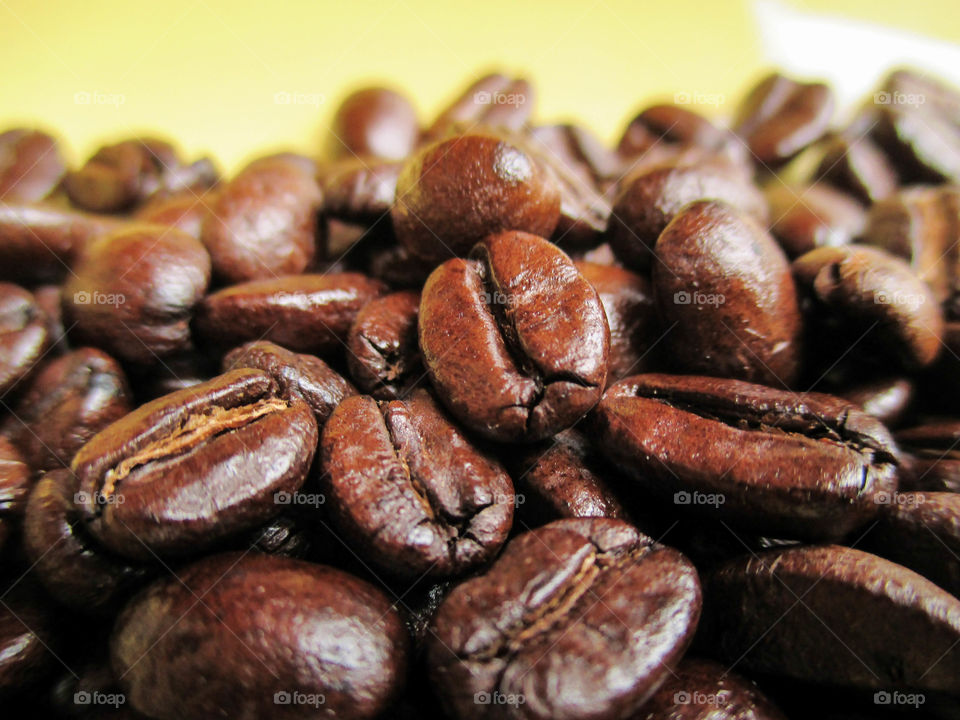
(853, 162)
(376, 122)
(868, 294)
(398, 267)
(191, 468)
(723, 287)
(30, 165)
(65, 404)
(15, 476)
(303, 313)
(773, 461)
(887, 398)
(455, 192)
(581, 151)
(121, 176)
(814, 216)
(270, 637)
(50, 301)
(23, 335)
(934, 456)
(669, 124)
(185, 210)
(780, 117)
(134, 292)
(303, 376)
(631, 314)
(383, 354)
(834, 615)
(283, 536)
(707, 690)
(493, 101)
(649, 199)
(515, 340)
(27, 639)
(263, 223)
(409, 489)
(359, 190)
(580, 618)
(70, 566)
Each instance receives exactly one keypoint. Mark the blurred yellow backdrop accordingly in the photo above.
(214, 74)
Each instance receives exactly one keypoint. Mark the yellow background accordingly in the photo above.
(208, 73)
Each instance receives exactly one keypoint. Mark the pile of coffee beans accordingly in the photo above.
(484, 419)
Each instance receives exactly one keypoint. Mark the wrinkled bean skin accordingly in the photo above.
(304, 376)
(476, 106)
(752, 616)
(15, 476)
(263, 222)
(809, 467)
(515, 340)
(809, 217)
(532, 625)
(282, 625)
(30, 165)
(303, 313)
(383, 354)
(65, 404)
(193, 467)
(377, 122)
(455, 192)
(441, 506)
(134, 292)
(23, 335)
(724, 286)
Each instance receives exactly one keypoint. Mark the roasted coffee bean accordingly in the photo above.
(580, 150)
(267, 629)
(515, 340)
(648, 200)
(134, 292)
(922, 226)
(864, 294)
(726, 297)
(193, 467)
(15, 485)
(887, 399)
(772, 461)
(49, 299)
(809, 217)
(73, 569)
(66, 403)
(360, 190)
(671, 124)
(780, 117)
(121, 176)
(304, 376)
(563, 477)
(382, 350)
(934, 456)
(706, 690)
(631, 314)
(39, 243)
(580, 618)
(376, 122)
(852, 162)
(409, 490)
(397, 266)
(493, 101)
(23, 336)
(834, 615)
(30, 165)
(921, 531)
(185, 210)
(453, 193)
(263, 223)
(27, 638)
(303, 313)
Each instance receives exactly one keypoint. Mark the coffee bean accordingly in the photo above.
(15, 476)
(383, 354)
(934, 457)
(887, 398)
(814, 216)
(27, 632)
(581, 151)
(514, 339)
(377, 122)
(579, 618)
(185, 210)
(49, 299)
(772, 461)
(305, 639)
(410, 490)
(493, 101)
(30, 165)
(853, 162)
(23, 335)
(194, 467)
(360, 190)
(726, 297)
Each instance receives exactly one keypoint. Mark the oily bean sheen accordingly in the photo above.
(303, 313)
(580, 618)
(30, 165)
(384, 356)
(810, 466)
(410, 490)
(134, 292)
(861, 621)
(375, 121)
(515, 340)
(23, 334)
(453, 193)
(266, 628)
(724, 287)
(195, 466)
